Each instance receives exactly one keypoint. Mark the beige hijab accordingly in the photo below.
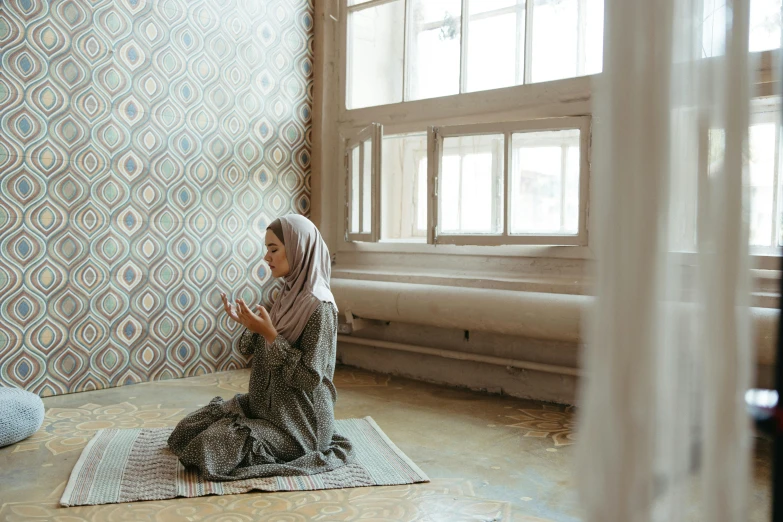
(307, 284)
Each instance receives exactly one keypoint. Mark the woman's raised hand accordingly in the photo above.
(259, 323)
(230, 310)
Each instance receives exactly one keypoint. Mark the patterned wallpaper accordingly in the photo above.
(144, 147)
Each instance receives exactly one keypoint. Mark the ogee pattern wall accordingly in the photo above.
(144, 147)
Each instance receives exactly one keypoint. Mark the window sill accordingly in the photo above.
(489, 281)
(544, 99)
(558, 252)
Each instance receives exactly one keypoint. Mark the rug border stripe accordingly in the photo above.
(77, 470)
(107, 469)
(397, 450)
(86, 477)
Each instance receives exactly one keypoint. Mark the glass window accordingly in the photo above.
(375, 55)
(593, 37)
(496, 44)
(762, 179)
(764, 26)
(434, 48)
(539, 161)
(567, 39)
(367, 187)
(555, 25)
(763, 183)
(355, 194)
(471, 185)
(404, 188)
(545, 182)
(540, 165)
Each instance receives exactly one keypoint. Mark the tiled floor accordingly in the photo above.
(489, 457)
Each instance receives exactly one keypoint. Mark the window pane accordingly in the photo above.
(555, 26)
(717, 142)
(404, 187)
(684, 199)
(375, 47)
(450, 193)
(762, 147)
(495, 48)
(545, 182)
(571, 207)
(471, 191)
(566, 42)
(422, 201)
(594, 37)
(367, 188)
(714, 29)
(434, 48)
(764, 26)
(355, 190)
(357, 2)
(762, 172)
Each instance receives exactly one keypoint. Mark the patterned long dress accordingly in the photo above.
(284, 425)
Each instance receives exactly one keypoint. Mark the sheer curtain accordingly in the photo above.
(663, 433)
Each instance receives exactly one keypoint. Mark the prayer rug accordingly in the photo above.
(136, 464)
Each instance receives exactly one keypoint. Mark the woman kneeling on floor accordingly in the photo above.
(284, 425)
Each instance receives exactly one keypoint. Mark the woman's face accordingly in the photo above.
(275, 255)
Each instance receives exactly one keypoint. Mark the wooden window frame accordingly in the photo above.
(436, 135)
(374, 134)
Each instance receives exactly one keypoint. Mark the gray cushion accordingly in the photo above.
(21, 414)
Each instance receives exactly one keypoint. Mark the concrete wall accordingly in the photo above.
(517, 342)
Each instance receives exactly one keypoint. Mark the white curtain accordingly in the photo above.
(663, 432)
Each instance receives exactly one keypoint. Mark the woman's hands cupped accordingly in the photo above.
(258, 322)
(230, 310)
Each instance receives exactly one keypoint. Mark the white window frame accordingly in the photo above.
(374, 134)
(436, 135)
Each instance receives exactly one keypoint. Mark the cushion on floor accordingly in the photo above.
(21, 414)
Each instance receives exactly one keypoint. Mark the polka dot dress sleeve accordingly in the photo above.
(248, 342)
(304, 368)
